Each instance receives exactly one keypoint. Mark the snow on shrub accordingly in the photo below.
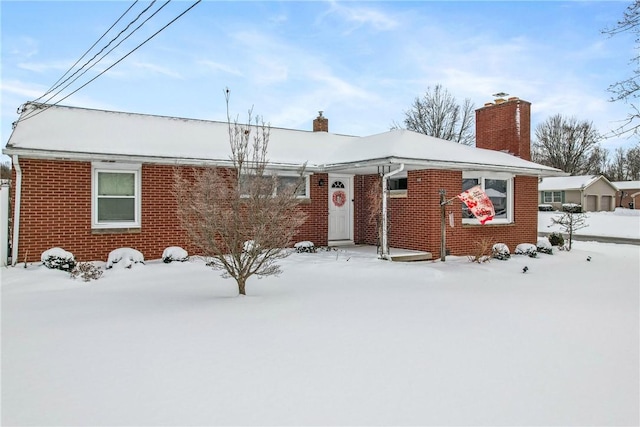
(500, 251)
(86, 271)
(528, 249)
(545, 208)
(544, 246)
(305, 246)
(174, 253)
(58, 259)
(556, 239)
(128, 256)
(572, 207)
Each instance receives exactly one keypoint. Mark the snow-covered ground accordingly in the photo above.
(620, 223)
(340, 338)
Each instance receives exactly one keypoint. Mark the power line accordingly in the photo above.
(56, 85)
(47, 106)
(103, 56)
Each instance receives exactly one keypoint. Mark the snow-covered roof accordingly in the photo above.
(576, 182)
(626, 185)
(79, 133)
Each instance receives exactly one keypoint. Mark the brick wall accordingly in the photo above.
(415, 220)
(505, 126)
(56, 212)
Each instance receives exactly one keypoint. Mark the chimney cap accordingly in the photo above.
(500, 95)
(320, 113)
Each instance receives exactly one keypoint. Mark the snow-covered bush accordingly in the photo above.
(86, 271)
(58, 259)
(500, 251)
(174, 253)
(128, 256)
(305, 246)
(572, 207)
(528, 249)
(544, 246)
(545, 208)
(556, 239)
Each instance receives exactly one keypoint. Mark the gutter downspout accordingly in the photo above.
(385, 221)
(16, 211)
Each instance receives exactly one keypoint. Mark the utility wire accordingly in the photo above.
(111, 66)
(103, 56)
(56, 85)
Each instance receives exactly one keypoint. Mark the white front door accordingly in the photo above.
(339, 208)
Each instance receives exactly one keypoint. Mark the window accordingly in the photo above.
(290, 181)
(499, 189)
(397, 184)
(115, 195)
(552, 196)
(282, 182)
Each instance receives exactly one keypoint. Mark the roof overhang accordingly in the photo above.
(371, 166)
(363, 167)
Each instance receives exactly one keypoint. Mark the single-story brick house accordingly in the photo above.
(65, 157)
(628, 194)
(593, 192)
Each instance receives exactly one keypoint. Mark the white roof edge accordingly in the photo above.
(435, 164)
(412, 163)
(98, 157)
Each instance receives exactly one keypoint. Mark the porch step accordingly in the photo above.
(410, 257)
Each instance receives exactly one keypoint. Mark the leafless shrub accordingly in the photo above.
(482, 251)
(223, 208)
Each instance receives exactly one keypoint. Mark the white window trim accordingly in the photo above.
(551, 195)
(307, 185)
(481, 176)
(136, 169)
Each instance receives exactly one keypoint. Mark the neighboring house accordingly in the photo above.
(628, 194)
(90, 181)
(592, 192)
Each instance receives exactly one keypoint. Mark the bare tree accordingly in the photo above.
(438, 114)
(570, 222)
(565, 143)
(633, 163)
(598, 162)
(243, 218)
(5, 172)
(628, 90)
(617, 168)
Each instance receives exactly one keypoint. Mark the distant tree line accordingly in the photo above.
(573, 146)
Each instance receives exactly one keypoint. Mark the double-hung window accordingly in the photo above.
(552, 196)
(498, 187)
(116, 201)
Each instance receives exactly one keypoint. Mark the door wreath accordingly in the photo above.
(339, 198)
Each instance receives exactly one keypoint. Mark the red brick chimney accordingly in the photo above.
(320, 123)
(505, 125)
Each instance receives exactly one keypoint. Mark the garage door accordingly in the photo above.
(591, 203)
(607, 203)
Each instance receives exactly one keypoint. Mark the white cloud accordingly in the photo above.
(362, 16)
(156, 69)
(215, 66)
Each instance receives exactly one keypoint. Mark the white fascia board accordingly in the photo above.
(414, 164)
(173, 161)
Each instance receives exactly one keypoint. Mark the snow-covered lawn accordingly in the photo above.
(340, 338)
(620, 223)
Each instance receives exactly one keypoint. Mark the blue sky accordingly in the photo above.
(362, 63)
